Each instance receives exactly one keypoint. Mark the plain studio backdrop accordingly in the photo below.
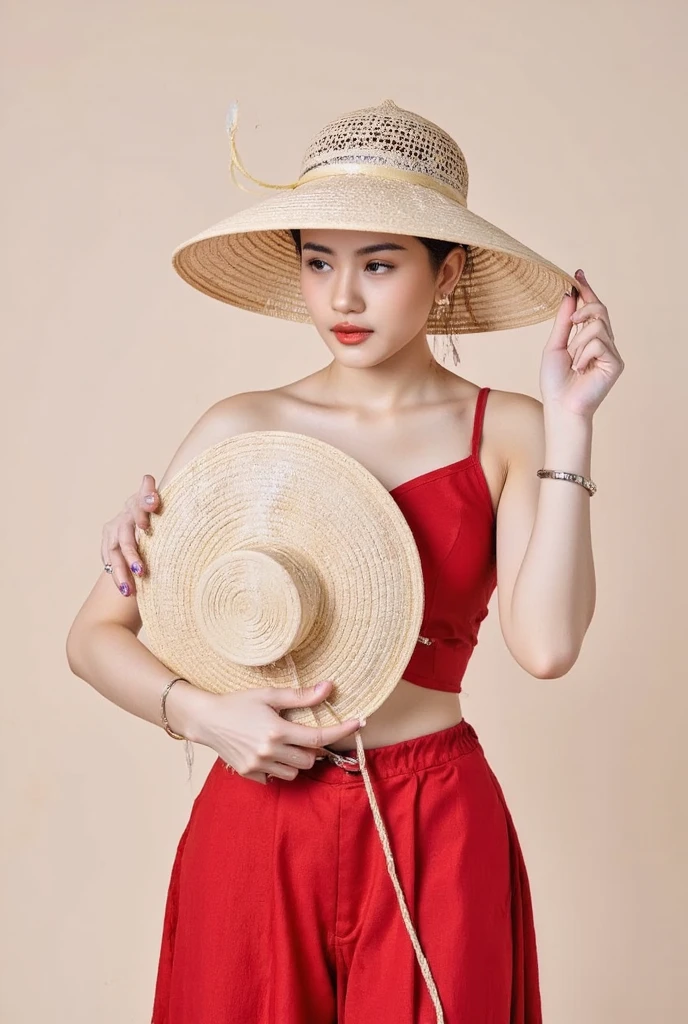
(572, 120)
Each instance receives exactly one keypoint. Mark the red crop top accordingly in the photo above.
(451, 517)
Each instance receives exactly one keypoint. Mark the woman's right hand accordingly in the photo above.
(247, 731)
(118, 546)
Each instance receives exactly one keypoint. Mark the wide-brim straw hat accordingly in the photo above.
(278, 560)
(381, 169)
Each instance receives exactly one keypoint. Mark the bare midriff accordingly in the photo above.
(408, 712)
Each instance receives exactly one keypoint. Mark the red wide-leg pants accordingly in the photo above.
(281, 909)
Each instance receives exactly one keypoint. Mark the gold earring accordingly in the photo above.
(443, 301)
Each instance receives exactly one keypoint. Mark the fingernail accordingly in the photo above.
(136, 568)
(321, 686)
(124, 589)
(580, 275)
(149, 499)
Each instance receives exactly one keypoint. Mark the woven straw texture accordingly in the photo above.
(279, 560)
(379, 169)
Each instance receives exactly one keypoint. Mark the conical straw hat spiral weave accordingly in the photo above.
(379, 169)
(279, 560)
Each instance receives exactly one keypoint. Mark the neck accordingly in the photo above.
(407, 378)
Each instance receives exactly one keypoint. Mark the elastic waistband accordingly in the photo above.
(401, 758)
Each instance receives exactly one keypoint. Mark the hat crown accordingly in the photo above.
(389, 136)
(253, 606)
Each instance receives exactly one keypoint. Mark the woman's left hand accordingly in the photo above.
(577, 372)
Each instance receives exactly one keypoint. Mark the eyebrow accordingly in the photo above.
(366, 250)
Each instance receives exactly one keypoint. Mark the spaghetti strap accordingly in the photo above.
(478, 421)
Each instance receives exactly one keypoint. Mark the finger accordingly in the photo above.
(586, 292)
(595, 349)
(281, 697)
(105, 548)
(127, 543)
(149, 499)
(594, 329)
(121, 576)
(253, 776)
(281, 771)
(592, 311)
(588, 309)
(312, 736)
(304, 736)
(295, 757)
(138, 515)
(561, 328)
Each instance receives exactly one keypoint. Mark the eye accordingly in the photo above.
(377, 263)
(317, 264)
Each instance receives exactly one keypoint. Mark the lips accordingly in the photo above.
(348, 334)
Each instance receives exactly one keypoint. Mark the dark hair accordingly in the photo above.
(438, 250)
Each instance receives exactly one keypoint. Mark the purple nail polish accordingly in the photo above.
(124, 589)
(136, 568)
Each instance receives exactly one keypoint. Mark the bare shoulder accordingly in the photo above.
(514, 424)
(247, 410)
(236, 414)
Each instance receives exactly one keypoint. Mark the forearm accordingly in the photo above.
(119, 666)
(554, 594)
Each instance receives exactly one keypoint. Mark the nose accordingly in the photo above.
(346, 296)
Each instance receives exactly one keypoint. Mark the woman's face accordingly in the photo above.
(383, 283)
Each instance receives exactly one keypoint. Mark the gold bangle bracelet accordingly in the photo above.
(576, 478)
(163, 713)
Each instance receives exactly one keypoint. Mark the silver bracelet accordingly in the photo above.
(576, 478)
(163, 714)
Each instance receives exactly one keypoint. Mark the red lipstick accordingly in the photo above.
(350, 334)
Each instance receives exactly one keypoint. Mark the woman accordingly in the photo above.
(244, 937)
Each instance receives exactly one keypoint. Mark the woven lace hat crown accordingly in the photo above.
(389, 136)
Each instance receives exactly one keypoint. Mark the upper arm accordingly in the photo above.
(224, 419)
(524, 454)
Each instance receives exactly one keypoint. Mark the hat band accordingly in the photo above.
(382, 171)
(331, 170)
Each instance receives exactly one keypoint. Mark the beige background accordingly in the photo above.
(113, 151)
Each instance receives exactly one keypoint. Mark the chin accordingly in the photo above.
(360, 355)
(368, 353)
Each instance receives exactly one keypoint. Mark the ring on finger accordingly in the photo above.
(108, 568)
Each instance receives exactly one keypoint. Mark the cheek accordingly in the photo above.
(408, 303)
(315, 298)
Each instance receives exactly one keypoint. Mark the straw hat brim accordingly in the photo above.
(337, 529)
(249, 259)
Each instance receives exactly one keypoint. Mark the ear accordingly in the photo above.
(452, 269)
